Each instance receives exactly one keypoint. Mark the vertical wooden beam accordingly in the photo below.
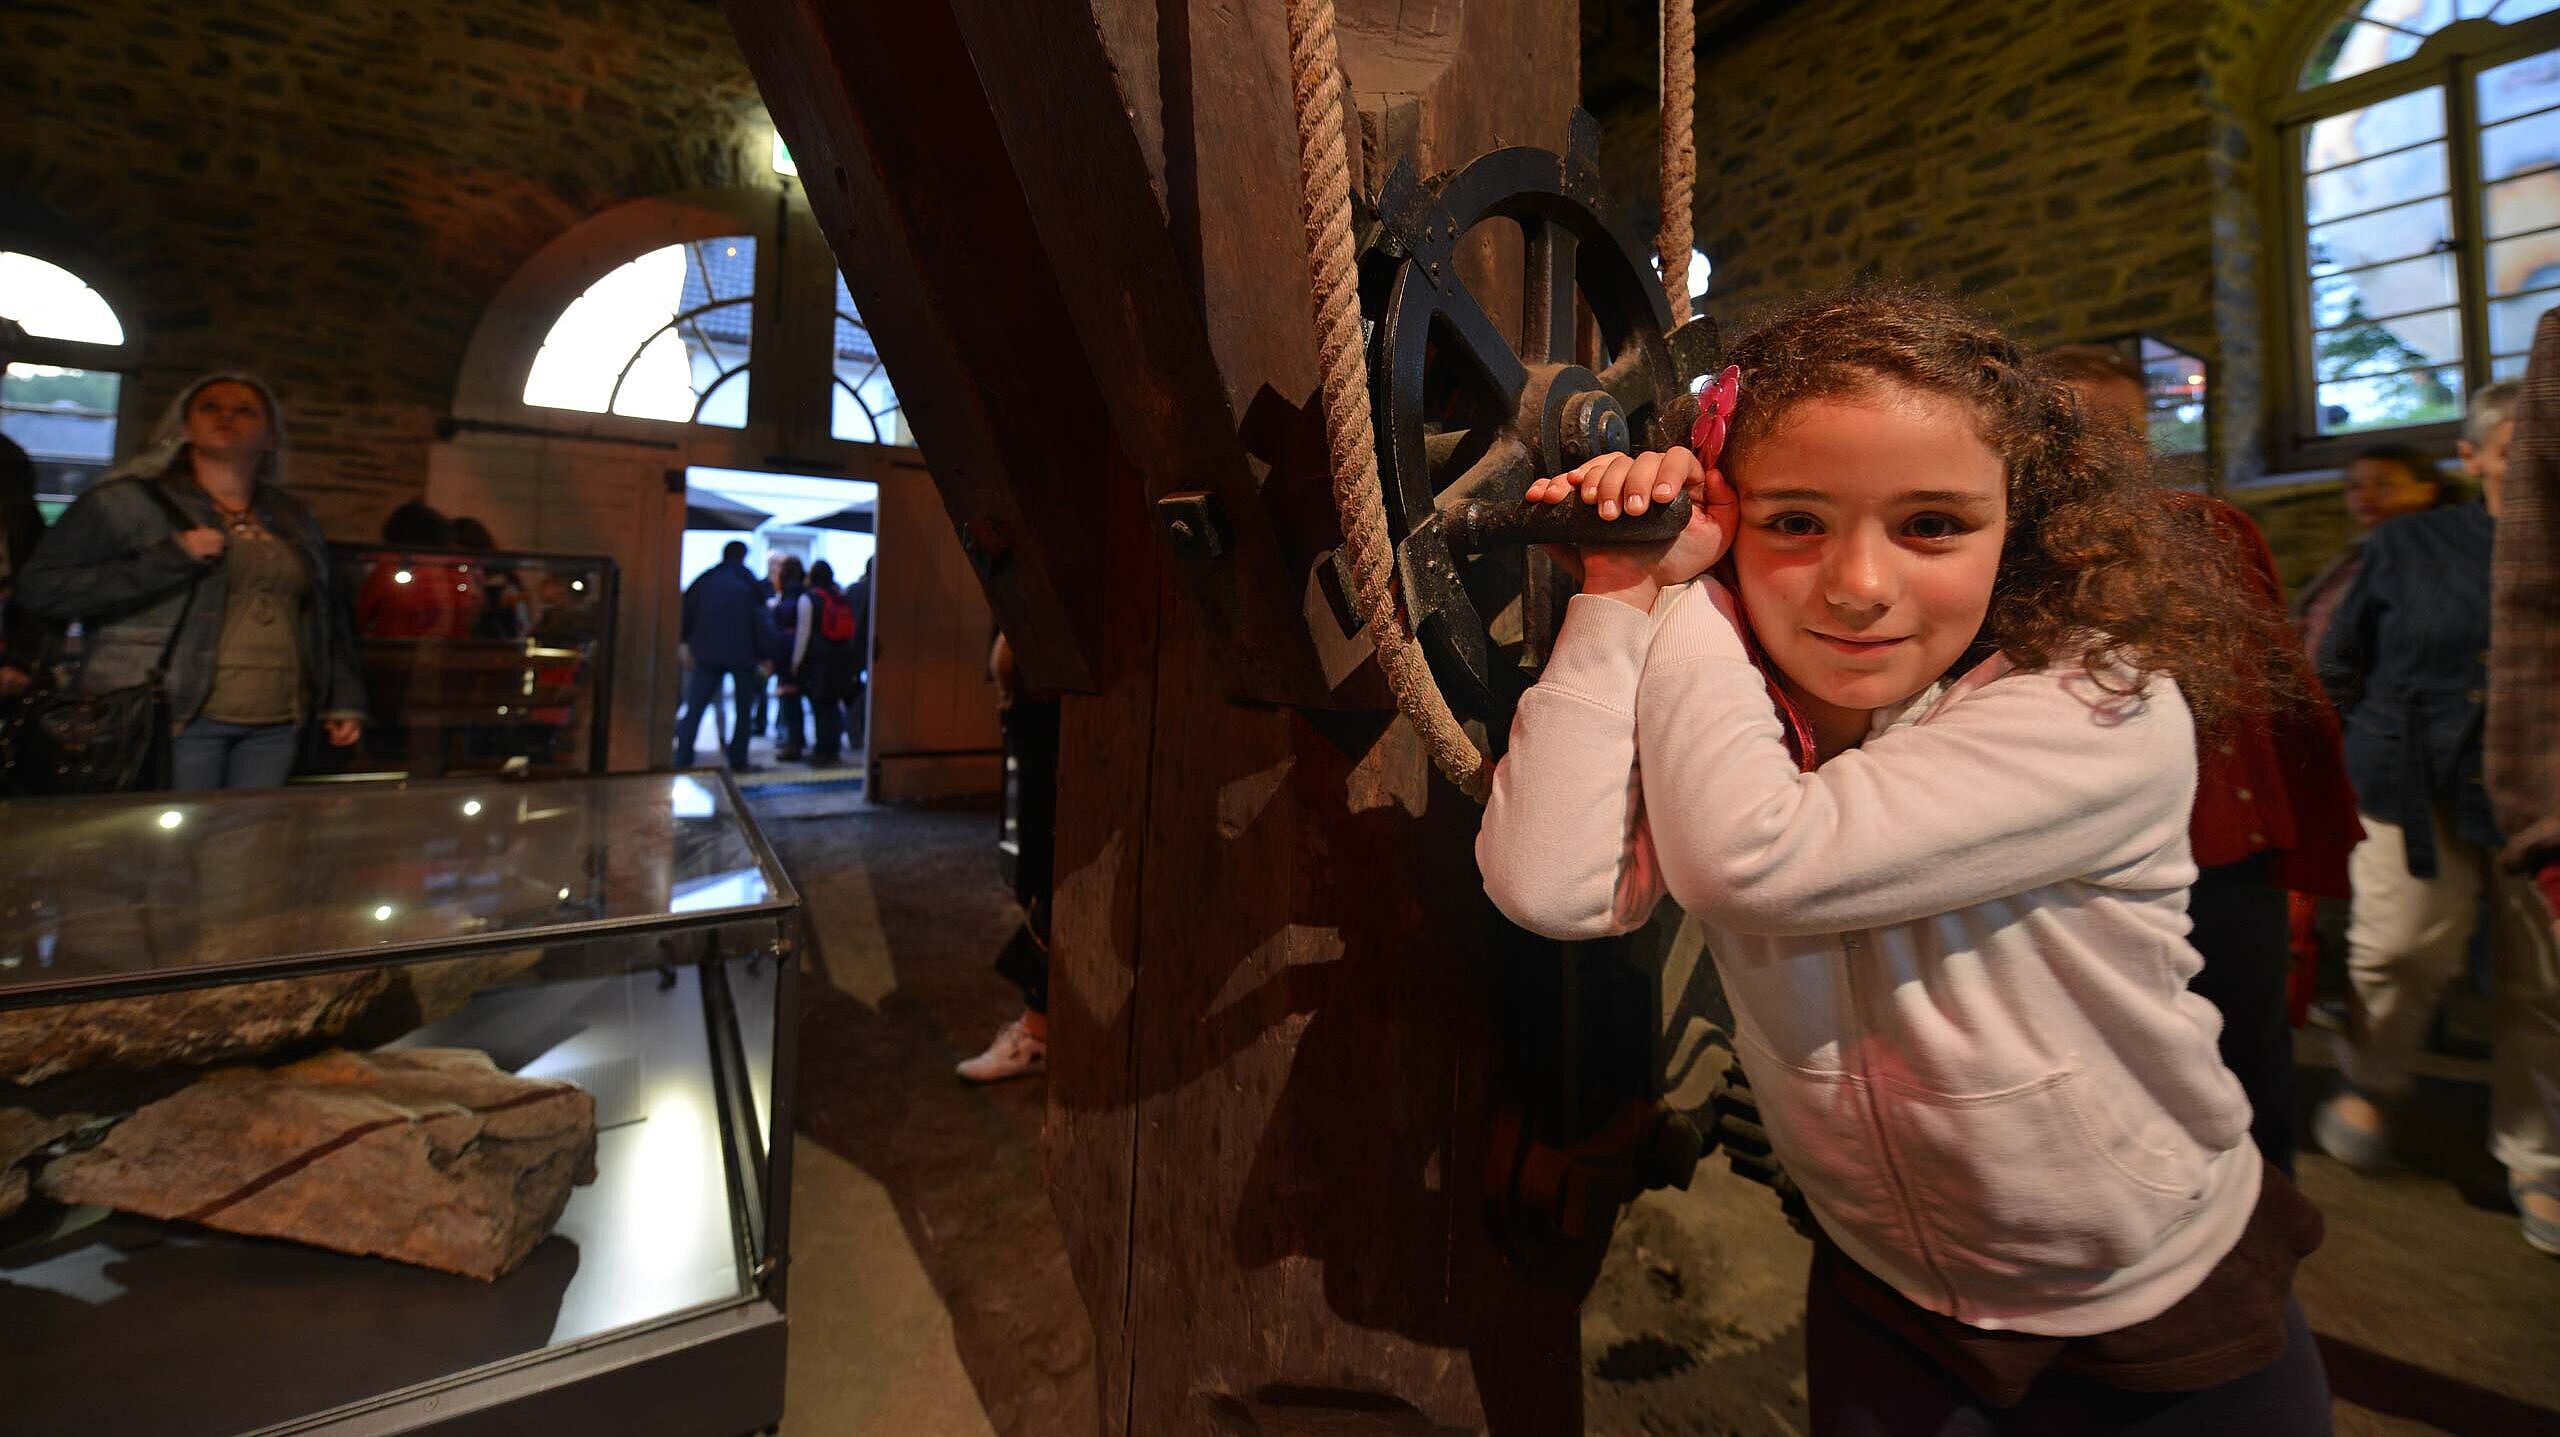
(1274, 1006)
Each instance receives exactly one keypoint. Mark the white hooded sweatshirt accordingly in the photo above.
(1956, 954)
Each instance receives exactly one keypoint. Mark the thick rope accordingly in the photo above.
(1324, 172)
(1679, 151)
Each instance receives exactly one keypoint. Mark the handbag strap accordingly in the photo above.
(178, 524)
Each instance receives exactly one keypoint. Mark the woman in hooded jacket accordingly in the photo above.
(195, 550)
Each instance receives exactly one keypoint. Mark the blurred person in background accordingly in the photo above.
(195, 550)
(826, 673)
(795, 619)
(2383, 482)
(2274, 813)
(728, 633)
(2407, 658)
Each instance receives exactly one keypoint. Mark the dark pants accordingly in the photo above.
(822, 681)
(751, 707)
(794, 733)
(209, 753)
(1031, 744)
(701, 693)
(1864, 1380)
(2243, 930)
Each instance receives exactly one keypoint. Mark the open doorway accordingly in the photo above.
(810, 542)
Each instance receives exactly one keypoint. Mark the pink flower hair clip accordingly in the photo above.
(1715, 416)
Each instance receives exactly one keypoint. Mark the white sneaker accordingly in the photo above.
(1013, 1053)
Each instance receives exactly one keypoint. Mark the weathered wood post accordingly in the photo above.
(1073, 229)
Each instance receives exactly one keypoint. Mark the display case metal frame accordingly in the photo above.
(714, 1369)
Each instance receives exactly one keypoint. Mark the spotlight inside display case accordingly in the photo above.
(452, 1107)
(478, 662)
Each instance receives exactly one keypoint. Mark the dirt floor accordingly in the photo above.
(930, 1293)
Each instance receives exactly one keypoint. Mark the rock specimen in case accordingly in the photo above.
(432, 1156)
(246, 1020)
(21, 1133)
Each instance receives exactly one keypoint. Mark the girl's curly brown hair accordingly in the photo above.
(2095, 546)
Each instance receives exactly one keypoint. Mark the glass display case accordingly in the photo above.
(478, 661)
(455, 1107)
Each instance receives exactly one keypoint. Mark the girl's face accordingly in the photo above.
(1871, 533)
(2379, 489)
(227, 419)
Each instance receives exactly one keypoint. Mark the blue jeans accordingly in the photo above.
(209, 753)
(701, 692)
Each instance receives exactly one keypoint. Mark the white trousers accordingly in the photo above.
(2406, 938)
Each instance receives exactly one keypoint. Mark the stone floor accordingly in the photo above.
(930, 1293)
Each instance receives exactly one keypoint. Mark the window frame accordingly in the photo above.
(2452, 58)
(791, 373)
(122, 360)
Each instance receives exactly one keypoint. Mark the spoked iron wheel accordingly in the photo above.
(1467, 417)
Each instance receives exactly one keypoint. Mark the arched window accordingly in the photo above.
(60, 391)
(665, 336)
(2422, 145)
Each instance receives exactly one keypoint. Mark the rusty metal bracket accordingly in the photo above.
(1194, 523)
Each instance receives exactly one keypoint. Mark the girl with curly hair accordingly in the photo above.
(1906, 717)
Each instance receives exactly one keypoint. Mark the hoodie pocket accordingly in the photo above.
(1823, 1126)
(2042, 1177)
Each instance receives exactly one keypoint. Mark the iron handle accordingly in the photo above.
(1480, 524)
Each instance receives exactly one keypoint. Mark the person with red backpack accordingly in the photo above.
(826, 674)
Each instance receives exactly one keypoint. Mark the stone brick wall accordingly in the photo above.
(329, 192)
(2085, 168)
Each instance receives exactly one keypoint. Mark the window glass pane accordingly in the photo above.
(2423, 283)
(2174, 383)
(725, 407)
(50, 302)
(66, 421)
(2474, 9)
(2385, 401)
(2531, 143)
(2373, 346)
(2507, 366)
(2411, 174)
(2511, 321)
(2514, 10)
(2520, 87)
(2525, 262)
(2396, 123)
(654, 336)
(2357, 48)
(2401, 233)
(2530, 202)
(866, 404)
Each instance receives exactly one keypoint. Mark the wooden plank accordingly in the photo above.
(907, 179)
(1314, 1011)
(1089, 1144)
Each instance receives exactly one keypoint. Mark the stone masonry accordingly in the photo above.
(2084, 169)
(330, 192)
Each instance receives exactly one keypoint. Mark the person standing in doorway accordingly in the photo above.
(827, 671)
(727, 634)
(857, 698)
(795, 619)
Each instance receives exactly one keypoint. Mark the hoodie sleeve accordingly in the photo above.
(2030, 780)
(1563, 848)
